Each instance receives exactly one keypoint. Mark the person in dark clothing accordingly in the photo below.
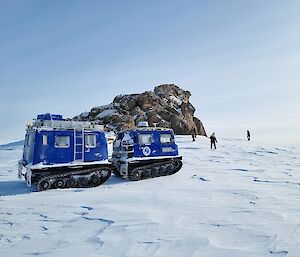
(213, 141)
(248, 135)
(194, 133)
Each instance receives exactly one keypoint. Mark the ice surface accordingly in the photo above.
(239, 200)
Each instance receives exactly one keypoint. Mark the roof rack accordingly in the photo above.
(152, 128)
(65, 124)
(148, 129)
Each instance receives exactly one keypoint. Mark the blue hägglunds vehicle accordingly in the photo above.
(62, 153)
(145, 152)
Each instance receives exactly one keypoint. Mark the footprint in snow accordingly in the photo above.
(87, 207)
(148, 242)
(37, 253)
(214, 160)
(44, 228)
(7, 213)
(279, 253)
(203, 179)
(8, 223)
(285, 172)
(239, 169)
(200, 178)
(265, 151)
(109, 222)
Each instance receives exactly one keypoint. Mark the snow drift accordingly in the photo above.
(239, 200)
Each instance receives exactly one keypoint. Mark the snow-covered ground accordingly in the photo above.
(240, 200)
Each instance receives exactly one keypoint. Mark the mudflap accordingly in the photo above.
(124, 170)
(28, 177)
(20, 167)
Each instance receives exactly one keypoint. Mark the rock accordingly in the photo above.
(126, 102)
(199, 127)
(167, 116)
(167, 106)
(153, 118)
(187, 109)
(163, 124)
(180, 126)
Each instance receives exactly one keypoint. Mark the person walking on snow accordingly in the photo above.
(213, 141)
(193, 133)
(248, 135)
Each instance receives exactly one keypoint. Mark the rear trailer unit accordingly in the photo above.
(145, 152)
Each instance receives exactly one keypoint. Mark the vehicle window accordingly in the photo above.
(45, 140)
(165, 138)
(62, 141)
(90, 140)
(145, 139)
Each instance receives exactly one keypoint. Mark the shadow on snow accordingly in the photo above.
(14, 187)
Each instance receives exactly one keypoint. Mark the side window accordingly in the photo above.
(45, 140)
(90, 140)
(165, 138)
(145, 139)
(62, 141)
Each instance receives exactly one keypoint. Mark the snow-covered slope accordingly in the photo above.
(239, 200)
(11, 146)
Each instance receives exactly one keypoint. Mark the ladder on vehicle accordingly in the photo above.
(78, 144)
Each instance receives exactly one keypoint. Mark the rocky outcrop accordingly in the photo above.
(167, 106)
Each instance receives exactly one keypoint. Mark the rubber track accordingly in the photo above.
(151, 166)
(77, 172)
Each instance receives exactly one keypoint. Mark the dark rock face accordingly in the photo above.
(167, 106)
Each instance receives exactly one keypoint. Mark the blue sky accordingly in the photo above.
(239, 59)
